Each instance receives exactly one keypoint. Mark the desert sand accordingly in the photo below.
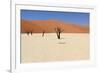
(71, 47)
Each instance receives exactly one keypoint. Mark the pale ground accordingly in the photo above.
(71, 46)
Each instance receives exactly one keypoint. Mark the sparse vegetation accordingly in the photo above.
(29, 32)
(58, 32)
(43, 33)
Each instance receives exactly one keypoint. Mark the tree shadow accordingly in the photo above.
(61, 38)
(61, 42)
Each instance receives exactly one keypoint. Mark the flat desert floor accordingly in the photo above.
(71, 46)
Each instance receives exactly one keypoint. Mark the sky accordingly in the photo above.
(71, 17)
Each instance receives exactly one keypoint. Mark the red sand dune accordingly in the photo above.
(38, 26)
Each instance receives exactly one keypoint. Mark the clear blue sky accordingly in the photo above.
(73, 17)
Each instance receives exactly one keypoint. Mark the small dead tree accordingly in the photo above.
(58, 32)
(43, 33)
(29, 32)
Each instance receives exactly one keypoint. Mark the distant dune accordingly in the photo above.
(49, 26)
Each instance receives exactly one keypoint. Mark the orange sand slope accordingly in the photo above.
(38, 26)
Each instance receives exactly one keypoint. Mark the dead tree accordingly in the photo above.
(29, 32)
(58, 32)
(43, 33)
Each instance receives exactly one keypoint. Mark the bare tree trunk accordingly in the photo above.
(31, 32)
(27, 33)
(58, 32)
(58, 35)
(43, 33)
